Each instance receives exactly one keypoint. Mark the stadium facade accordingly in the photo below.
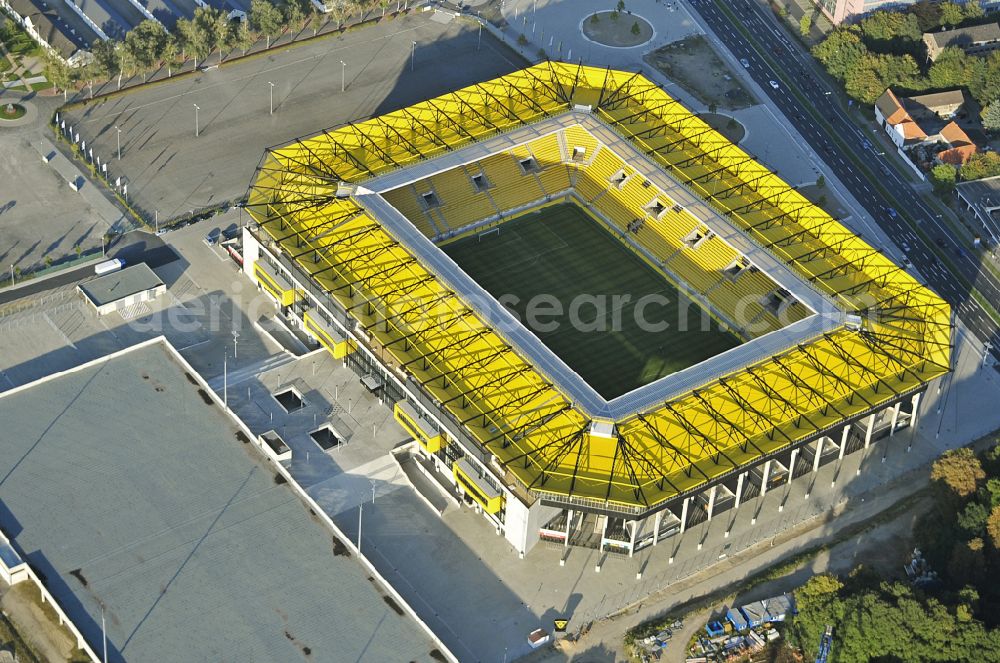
(837, 343)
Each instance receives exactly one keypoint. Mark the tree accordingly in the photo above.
(171, 53)
(615, 14)
(893, 31)
(960, 470)
(980, 165)
(993, 527)
(105, 59)
(144, 45)
(943, 178)
(315, 20)
(635, 28)
(61, 75)
(928, 14)
(972, 519)
(295, 13)
(840, 52)
(973, 10)
(620, 7)
(266, 19)
(595, 19)
(951, 14)
(951, 68)
(522, 40)
(991, 116)
(805, 25)
(968, 563)
(821, 181)
(243, 39)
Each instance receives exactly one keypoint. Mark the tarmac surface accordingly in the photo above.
(171, 172)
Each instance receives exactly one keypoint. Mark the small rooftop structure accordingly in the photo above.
(113, 292)
(974, 40)
(128, 487)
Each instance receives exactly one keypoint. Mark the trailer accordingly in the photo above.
(108, 266)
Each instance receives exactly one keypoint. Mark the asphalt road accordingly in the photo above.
(135, 247)
(830, 132)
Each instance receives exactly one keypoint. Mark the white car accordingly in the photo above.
(775, 85)
(745, 63)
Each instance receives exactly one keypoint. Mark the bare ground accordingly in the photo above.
(37, 625)
(694, 65)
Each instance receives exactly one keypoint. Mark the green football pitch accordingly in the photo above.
(582, 293)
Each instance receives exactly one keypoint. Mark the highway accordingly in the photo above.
(894, 203)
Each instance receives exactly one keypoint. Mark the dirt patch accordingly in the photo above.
(695, 66)
(279, 479)
(619, 30)
(242, 437)
(38, 625)
(725, 125)
(438, 656)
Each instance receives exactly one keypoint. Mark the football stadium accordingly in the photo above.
(708, 333)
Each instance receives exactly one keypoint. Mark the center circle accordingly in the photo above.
(11, 111)
(617, 29)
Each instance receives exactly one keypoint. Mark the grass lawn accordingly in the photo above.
(562, 252)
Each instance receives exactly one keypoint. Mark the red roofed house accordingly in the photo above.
(923, 127)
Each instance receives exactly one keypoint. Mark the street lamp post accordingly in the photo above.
(236, 337)
(413, 54)
(196, 109)
(119, 142)
(343, 75)
(479, 41)
(271, 90)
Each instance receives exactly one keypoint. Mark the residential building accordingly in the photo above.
(925, 128)
(974, 40)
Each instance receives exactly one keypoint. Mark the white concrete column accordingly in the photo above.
(818, 453)
(711, 500)
(631, 541)
(656, 526)
(895, 417)
(913, 417)
(843, 442)
(684, 514)
(739, 489)
(871, 427)
(763, 477)
(569, 526)
(791, 465)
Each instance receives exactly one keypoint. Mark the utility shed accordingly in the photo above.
(118, 290)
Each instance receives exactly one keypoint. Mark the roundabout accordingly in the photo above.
(617, 29)
(11, 111)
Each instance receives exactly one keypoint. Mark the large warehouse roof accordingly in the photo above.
(900, 340)
(126, 486)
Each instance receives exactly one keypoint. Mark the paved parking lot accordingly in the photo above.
(171, 171)
(40, 215)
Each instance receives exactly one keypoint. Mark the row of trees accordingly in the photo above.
(953, 620)
(149, 45)
(886, 50)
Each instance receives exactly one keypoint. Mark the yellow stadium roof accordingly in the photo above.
(900, 340)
